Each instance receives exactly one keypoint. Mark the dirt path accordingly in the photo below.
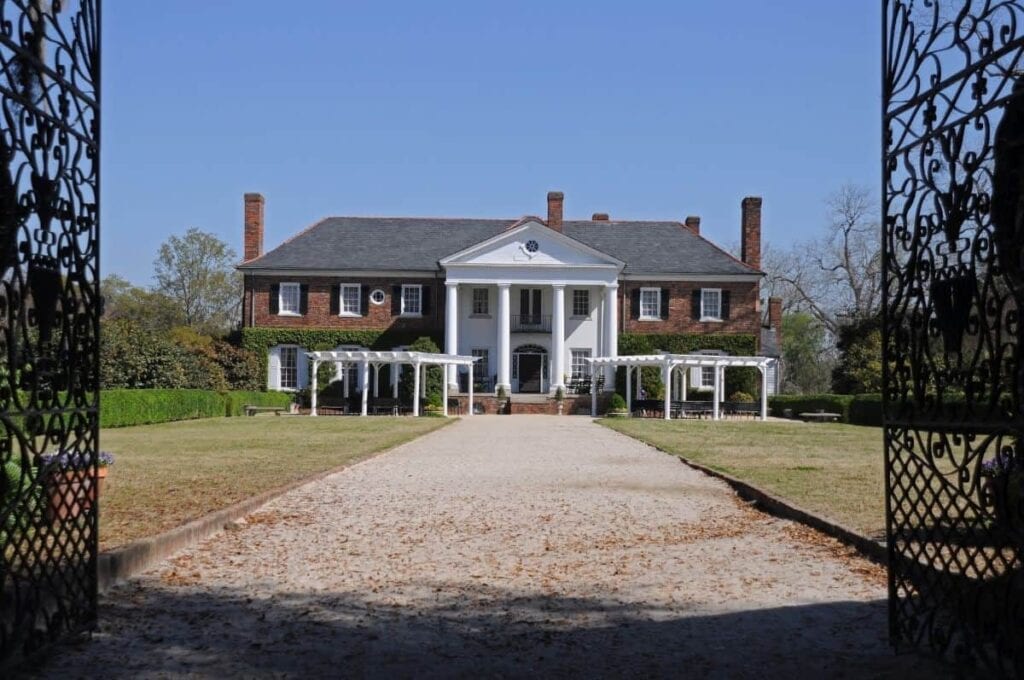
(509, 546)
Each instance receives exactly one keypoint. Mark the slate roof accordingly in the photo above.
(417, 244)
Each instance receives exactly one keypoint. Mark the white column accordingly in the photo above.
(312, 389)
(558, 336)
(717, 392)
(611, 332)
(444, 394)
(396, 370)
(764, 393)
(504, 339)
(469, 412)
(451, 332)
(364, 370)
(666, 377)
(629, 391)
(416, 389)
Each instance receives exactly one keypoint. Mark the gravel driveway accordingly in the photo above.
(508, 546)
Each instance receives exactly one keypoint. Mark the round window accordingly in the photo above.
(532, 246)
(377, 297)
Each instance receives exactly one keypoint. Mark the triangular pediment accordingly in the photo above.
(531, 243)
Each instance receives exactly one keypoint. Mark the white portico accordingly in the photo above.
(532, 305)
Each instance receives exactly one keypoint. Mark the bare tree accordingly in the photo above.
(838, 277)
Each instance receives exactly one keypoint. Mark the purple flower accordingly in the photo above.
(70, 460)
(1003, 464)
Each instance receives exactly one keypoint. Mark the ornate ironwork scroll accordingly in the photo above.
(953, 87)
(49, 319)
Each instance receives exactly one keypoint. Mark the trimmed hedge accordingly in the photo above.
(860, 409)
(123, 408)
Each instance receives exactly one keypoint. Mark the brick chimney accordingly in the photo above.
(555, 200)
(253, 236)
(775, 317)
(599, 217)
(693, 224)
(750, 237)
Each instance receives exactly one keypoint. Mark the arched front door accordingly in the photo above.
(529, 366)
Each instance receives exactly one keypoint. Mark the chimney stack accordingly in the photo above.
(555, 200)
(693, 224)
(750, 237)
(599, 217)
(253, 235)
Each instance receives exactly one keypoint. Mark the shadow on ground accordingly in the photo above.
(485, 632)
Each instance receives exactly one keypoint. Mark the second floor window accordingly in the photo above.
(412, 300)
(289, 302)
(480, 302)
(350, 304)
(650, 303)
(581, 303)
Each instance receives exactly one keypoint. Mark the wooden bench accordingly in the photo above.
(819, 417)
(253, 410)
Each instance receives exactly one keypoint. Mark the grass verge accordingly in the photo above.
(169, 474)
(833, 470)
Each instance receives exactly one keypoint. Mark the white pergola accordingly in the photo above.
(367, 358)
(670, 362)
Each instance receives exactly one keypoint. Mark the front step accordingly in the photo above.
(527, 398)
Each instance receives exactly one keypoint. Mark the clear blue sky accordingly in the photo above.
(643, 109)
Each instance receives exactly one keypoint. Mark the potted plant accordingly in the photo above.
(69, 485)
(617, 407)
(560, 399)
(1003, 488)
(502, 395)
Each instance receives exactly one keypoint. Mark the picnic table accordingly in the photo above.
(819, 417)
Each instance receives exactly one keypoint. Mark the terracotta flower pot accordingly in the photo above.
(71, 493)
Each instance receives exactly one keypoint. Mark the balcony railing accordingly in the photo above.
(531, 323)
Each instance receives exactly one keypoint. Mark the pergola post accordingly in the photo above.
(716, 393)
(423, 380)
(312, 390)
(469, 412)
(416, 389)
(364, 370)
(376, 381)
(629, 391)
(764, 392)
(396, 372)
(444, 390)
(593, 397)
(666, 377)
(683, 374)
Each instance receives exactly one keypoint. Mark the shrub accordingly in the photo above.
(433, 374)
(741, 397)
(831, 403)
(123, 408)
(742, 379)
(866, 409)
(617, 403)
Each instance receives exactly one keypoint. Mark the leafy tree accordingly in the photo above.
(196, 271)
(434, 374)
(859, 369)
(805, 352)
(147, 309)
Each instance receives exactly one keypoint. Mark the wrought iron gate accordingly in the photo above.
(49, 319)
(954, 283)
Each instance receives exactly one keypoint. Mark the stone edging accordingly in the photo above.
(120, 564)
(873, 550)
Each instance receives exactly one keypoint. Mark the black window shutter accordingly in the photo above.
(396, 300)
(725, 304)
(695, 304)
(364, 300)
(634, 304)
(425, 300)
(304, 298)
(664, 303)
(275, 298)
(524, 301)
(335, 300)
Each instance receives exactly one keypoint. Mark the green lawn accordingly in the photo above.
(168, 474)
(832, 470)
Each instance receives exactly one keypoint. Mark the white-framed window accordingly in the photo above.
(377, 296)
(412, 300)
(710, 304)
(350, 302)
(650, 303)
(289, 299)
(707, 377)
(481, 302)
(580, 302)
(580, 366)
(289, 368)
